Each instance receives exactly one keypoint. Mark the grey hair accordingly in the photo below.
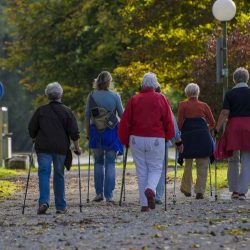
(103, 81)
(192, 90)
(54, 91)
(241, 75)
(149, 80)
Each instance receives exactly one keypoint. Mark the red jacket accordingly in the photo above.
(147, 114)
(235, 137)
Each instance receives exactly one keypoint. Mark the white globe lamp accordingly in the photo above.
(224, 10)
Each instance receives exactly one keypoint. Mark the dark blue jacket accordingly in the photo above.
(197, 140)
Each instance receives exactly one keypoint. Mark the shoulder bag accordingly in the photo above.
(101, 117)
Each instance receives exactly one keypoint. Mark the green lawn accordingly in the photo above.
(130, 165)
(8, 173)
(8, 187)
(221, 172)
(221, 175)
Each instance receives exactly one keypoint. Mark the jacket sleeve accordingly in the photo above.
(125, 124)
(33, 126)
(167, 120)
(73, 128)
(180, 116)
(119, 106)
(209, 117)
(176, 130)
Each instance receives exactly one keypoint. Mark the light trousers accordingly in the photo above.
(187, 179)
(148, 155)
(161, 185)
(238, 173)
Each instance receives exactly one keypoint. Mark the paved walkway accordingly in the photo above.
(189, 224)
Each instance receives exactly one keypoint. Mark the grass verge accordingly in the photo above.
(221, 175)
(7, 188)
(8, 173)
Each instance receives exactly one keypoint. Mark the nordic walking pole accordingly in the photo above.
(28, 178)
(215, 181)
(175, 176)
(80, 186)
(88, 178)
(124, 188)
(215, 175)
(210, 177)
(165, 174)
(123, 174)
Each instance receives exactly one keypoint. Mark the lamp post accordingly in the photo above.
(223, 11)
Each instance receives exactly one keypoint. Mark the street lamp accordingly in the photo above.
(223, 11)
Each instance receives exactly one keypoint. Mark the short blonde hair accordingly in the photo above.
(103, 81)
(192, 90)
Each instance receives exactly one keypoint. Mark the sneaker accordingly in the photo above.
(185, 193)
(242, 197)
(199, 196)
(235, 195)
(62, 211)
(158, 202)
(42, 209)
(150, 197)
(98, 198)
(110, 201)
(145, 209)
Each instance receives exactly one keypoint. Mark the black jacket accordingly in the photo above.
(51, 126)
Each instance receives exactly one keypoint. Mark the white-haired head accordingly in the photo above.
(241, 75)
(192, 90)
(149, 80)
(54, 91)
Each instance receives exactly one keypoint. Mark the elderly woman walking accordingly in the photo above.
(145, 125)
(51, 128)
(235, 142)
(194, 120)
(103, 105)
(177, 139)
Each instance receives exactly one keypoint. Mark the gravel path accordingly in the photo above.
(189, 224)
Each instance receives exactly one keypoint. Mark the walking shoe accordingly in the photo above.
(109, 201)
(158, 202)
(235, 195)
(185, 193)
(42, 208)
(62, 211)
(98, 198)
(145, 209)
(150, 197)
(242, 197)
(199, 196)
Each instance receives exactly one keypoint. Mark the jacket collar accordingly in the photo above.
(56, 102)
(193, 98)
(146, 90)
(240, 85)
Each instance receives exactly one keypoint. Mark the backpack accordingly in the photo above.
(101, 117)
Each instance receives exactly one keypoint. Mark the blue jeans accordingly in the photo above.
(104, 159)
(161, 184)
(44, 171)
